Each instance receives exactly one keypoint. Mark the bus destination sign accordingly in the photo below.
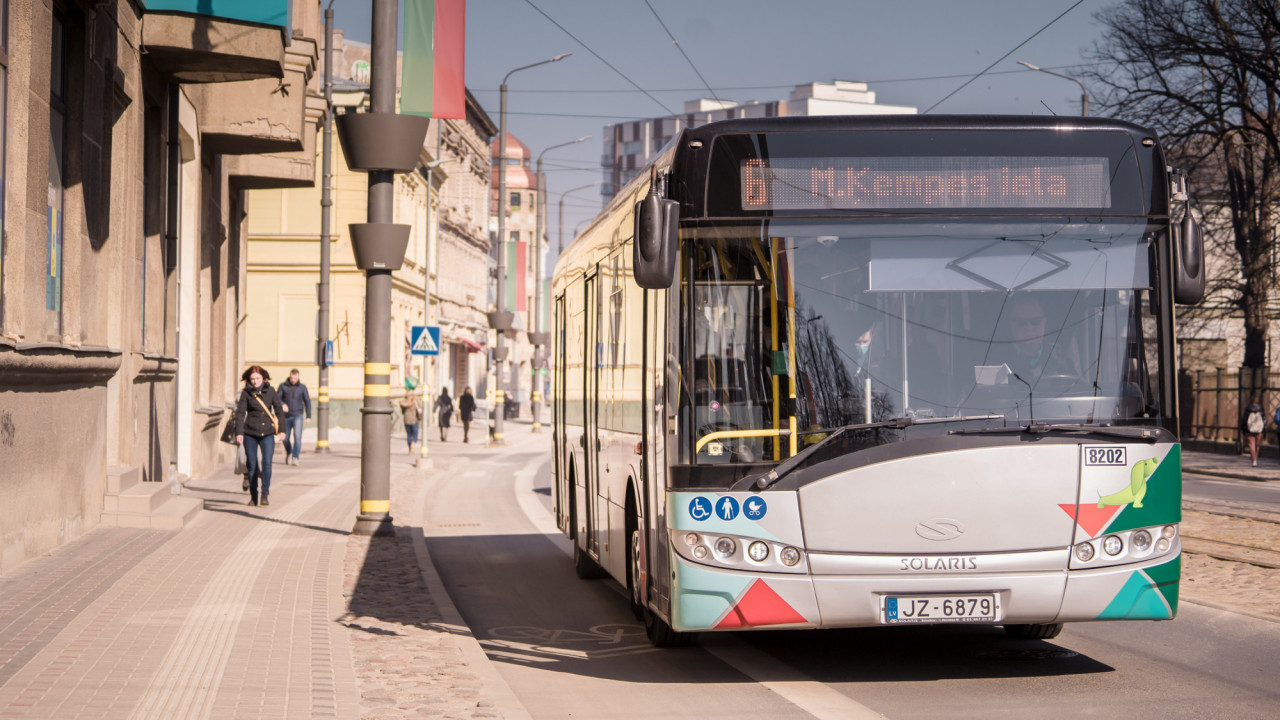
(961, 182)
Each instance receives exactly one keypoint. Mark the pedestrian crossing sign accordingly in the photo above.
(425, 340)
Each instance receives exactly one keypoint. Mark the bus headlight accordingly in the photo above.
(1141, 540)
(1169, 531)
(700, 552)
(691, 539)
(789, 556)
(725, 547)
(1112, 545)
(1163, 545)
(1084, 551)
(758, 551)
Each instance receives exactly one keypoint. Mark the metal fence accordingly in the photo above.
(1212, 400)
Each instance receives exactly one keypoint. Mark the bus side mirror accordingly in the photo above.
(1188, 263)
(656, 242)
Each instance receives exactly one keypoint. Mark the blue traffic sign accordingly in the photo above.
(424, 340)
(699, 508)
(754, 508)
(727, 508)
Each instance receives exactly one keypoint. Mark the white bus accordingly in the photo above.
(860, 371)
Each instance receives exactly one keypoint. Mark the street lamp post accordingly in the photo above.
(565, 194)
(326, 212)
(499, 350)
(540, 321)
(1084, 94)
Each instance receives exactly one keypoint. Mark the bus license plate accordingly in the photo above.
(901, 609)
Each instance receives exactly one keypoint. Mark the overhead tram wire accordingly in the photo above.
(601, 59)
(885, 81)
(1002, 57)
(682, 52)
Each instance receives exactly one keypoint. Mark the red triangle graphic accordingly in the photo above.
(1091, 518)
(760, 605)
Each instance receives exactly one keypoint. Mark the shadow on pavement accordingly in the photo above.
(237, 508)
(525, 605)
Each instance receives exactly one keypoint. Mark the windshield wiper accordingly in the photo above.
(1148, 435)
(898, 423)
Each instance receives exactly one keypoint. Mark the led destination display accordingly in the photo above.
(872, 183)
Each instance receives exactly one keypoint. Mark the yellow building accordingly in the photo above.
(448, 246)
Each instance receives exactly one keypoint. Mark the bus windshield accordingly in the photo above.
(827, 325)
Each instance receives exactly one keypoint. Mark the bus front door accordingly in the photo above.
(591, 435)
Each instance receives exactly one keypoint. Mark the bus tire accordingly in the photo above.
(634, 582)
(661, 635)
(1035, 631)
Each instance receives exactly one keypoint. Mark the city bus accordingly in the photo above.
(833, 372)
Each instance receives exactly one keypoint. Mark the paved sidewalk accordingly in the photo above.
(1231, 466)
(250, 612)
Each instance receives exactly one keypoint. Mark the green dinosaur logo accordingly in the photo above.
(1137, 488)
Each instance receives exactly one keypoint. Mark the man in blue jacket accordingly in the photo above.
(296, 401)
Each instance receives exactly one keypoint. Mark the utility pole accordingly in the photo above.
(501, 316)
(326, 205)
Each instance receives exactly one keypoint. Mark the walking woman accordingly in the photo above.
(257, 427)
(466, 410)
(444, 411)
(1253, 421)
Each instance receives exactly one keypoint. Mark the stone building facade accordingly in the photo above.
(521, 226)
(130, 130)
(443, 201)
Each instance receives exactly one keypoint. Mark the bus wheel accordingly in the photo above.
(634, 581)
(1034, 631)
(661, 634)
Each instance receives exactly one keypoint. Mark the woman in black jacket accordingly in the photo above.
(258, 414)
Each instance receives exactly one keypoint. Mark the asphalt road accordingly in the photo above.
(571, 648)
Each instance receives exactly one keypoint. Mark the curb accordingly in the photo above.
(1214, 472)
(1224, 608)
(496, 688)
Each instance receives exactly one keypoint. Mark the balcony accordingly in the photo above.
(205, 41)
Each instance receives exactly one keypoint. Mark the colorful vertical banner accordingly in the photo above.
(433, 83)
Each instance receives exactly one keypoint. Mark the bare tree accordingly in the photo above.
(1205, 75)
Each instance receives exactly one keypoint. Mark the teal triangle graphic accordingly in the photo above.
(1137, 600)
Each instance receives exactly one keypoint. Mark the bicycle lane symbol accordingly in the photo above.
(699, 508)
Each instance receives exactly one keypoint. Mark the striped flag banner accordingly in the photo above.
(433, 83)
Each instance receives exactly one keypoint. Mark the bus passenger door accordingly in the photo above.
(591, 435)
(557, 414)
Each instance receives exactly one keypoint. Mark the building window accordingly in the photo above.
(4, 112)
(57, 143)
(515, 199)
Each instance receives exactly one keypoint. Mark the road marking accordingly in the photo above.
(795, 687)
(790, 684)
(530, 505)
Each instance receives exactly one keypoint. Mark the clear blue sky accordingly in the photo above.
(749, 49)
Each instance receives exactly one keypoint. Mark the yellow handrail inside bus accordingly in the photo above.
(723, 434)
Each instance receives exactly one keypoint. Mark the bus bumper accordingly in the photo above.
(709, 598)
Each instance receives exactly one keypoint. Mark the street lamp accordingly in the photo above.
(540, 322)
(565, 194)
(499, 350)
(1084, 94)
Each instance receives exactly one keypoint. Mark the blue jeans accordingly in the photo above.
(259, 468)
(412, 431)
(293, 429)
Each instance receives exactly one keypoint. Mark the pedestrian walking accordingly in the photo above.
(444, 411)
(242, 463)
(296, 401)
(257, 428)
(466, 411)
(412, 416)
(1252, 423)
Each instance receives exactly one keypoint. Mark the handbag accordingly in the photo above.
(242, 461)
(229, 430)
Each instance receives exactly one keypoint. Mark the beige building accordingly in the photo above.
(443, 201)
(122, 271)
(521, 226)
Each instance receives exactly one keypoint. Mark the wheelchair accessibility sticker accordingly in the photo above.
(699, 508)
